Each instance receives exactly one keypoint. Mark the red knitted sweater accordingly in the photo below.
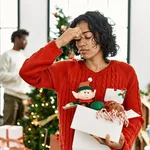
(65, 76)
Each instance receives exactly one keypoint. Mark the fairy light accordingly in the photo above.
(56, 111)
(32, 105)
(32, 113)
(36, 105)
(46, 104)
(34, 116)
(41, 90)
(29, 129)
(42, 104)
(42, 135)
(51, 98)
(18, 123)
(53, 106)
(52, 102)
(28, 141)
(43, 144)
(47, 146)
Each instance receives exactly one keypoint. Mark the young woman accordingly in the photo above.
(90, 35)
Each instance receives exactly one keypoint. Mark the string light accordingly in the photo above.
(41, 90)
(32, 105)
(46, 104)
(28, 141)
(56, 111)
(18, 123)
(34, 116)
(47, 146)
(52, 102)
(51, 97)
(32, 113)
(42, 104)
(29, 129)
(42, 135)
(53, 106)
(36, 105)
(43, 144)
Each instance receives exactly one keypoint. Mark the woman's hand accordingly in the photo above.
(69, 35)
(111, 144)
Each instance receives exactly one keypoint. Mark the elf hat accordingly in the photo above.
(85, 85)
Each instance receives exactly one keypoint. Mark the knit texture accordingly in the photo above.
(65, 76)
(10, 64)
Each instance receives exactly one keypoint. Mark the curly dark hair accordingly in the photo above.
(102, 30)
(19, 33)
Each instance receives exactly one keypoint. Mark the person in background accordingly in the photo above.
(15, 88)
(91, 36)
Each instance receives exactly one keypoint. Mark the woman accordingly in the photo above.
(91, 36)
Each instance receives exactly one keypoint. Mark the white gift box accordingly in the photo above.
(85, 121)
(84, 141)
(8, 132)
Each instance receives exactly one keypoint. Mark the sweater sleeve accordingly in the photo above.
(5, 74)
(40, 70)
(132, 101)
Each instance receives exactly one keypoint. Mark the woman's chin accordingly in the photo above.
(86, 56)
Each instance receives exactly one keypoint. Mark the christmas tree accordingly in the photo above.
(61, 26)
(41, 119)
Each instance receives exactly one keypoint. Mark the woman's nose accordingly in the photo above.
(81, 42)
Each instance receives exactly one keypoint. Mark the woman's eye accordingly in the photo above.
(88, 37)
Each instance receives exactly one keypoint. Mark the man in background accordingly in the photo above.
(15, 88)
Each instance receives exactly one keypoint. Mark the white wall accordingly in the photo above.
(140, 40)
(33, 17)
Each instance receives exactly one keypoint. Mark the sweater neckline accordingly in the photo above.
(101, 71)
(16, 50)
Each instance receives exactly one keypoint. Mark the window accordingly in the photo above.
(118, 11)
(9, 22)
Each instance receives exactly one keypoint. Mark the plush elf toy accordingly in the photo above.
(85, 97)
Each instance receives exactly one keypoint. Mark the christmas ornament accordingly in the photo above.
(71, 55)
(55, 14)
(63, 28)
